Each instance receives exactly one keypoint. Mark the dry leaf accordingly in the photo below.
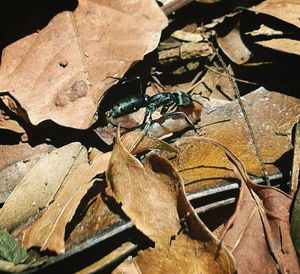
(63, 68)
(97, 219)
(287, 10)
(98, 216)
(274, 31)
(233, 46)
(258, 233)
(215, 84)
(136, 142)
(282, 44)
(18, 160)
(9, 124)
(272, 126)
(39, 186)
(48, 232)
(159, 189)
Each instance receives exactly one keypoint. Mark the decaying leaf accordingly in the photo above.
(272, 24)
(98, 216)
(203, 164)
(10, 250)
(295, 192)
(136, 142)
(48, 232)
(272, 125)
(62, 68)
(39, 186)
(287, 10)
(159, 189)
(259, 230)
(282, 44)
(97, 219)
(233, 46)
(18, 160)
(9, 124)
(295, 223)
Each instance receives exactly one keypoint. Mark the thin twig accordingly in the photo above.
(238, 95)
(236, 79)
(296, 161)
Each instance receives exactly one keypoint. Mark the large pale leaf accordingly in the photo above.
(48, 232)
(287, 10)
(59, 72)
(18, 160)
(39, 186)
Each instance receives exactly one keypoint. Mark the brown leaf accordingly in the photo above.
(136, 142)
(9, 124)
(272, 127)
(282, 44)
(128, 179)
(258, 233)
(39, 186)
(233, 46)
(18, 160)
(215, 84)
(159, 189)
(270, 32)
(63, 68)
(287, 10)
(48, 232)
(98, 216)
(97, 219)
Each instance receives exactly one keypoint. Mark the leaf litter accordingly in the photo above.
(93, 48)
(160, 189)
(70, 63)
(259, 230)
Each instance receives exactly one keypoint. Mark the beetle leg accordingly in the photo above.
(148, 118)
(166, 107)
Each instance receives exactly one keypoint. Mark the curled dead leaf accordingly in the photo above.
(234, 47)
(159, 188)
(258, 233)
(136, 142)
